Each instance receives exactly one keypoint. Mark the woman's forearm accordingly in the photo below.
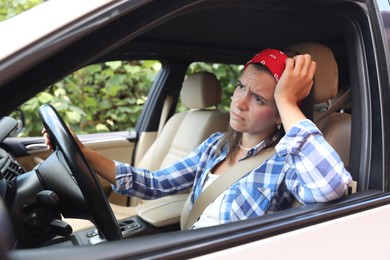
(100, 164)
(290, 114)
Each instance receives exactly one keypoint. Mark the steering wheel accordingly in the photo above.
(64, 142)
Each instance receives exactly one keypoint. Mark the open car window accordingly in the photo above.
(103, 97)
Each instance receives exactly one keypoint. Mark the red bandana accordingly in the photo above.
(274, 60)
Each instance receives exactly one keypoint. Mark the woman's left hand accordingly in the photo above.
(296, 80)
(294, 85)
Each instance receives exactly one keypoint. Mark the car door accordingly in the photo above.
(365, 61)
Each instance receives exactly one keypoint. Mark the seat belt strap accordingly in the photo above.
(341, 101)
(223, 182)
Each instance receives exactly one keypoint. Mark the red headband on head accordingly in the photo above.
(274, 60)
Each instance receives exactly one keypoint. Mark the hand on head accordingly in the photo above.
(296, 80)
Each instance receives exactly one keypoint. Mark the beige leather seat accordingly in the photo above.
(201, 94)
(185, 130)
(336, 127)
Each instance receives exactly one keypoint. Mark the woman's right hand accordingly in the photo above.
(100, 164)
(49, 145)
(47, 139)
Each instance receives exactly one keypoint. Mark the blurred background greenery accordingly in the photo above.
(108, 96)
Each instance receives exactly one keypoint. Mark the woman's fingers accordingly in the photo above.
(48, 143)
(312, 69)
(47, 140)
(297, 79)
(304, 66)
(304, 69)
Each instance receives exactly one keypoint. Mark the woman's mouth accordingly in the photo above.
(235, 116)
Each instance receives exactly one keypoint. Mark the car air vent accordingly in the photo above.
(10, 169)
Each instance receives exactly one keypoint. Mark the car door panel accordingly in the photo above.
(29, 152)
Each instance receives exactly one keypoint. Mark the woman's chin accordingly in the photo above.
(236, 127)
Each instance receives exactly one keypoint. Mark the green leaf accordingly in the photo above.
(133, 69)
(45, 97)
(105, 104)
(73, 116)
(92, 69)
(59, 92)
(102, 128)
(90, 102)
(114, 64)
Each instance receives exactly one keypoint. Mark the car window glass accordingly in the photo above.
(227, 74)
(102, 97)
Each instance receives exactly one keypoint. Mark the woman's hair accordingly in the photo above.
(232, 137)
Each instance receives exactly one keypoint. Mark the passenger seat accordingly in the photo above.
(201, 94)
(336, 127)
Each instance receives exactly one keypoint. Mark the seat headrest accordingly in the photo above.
(201, 90)
(326, 76)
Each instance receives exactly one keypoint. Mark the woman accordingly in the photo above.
(264, 103)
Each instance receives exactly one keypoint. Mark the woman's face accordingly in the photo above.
(253, 109)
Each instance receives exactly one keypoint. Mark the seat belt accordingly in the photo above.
(223, 182)
(341, 101)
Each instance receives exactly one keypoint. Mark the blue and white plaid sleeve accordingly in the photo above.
(177, 177)
(151, 185)
(314, 171)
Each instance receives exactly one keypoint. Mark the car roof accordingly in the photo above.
(227, 26)
(223, 31)
(39, 22)
(231, 31)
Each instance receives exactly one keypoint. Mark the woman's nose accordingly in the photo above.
(241, 101)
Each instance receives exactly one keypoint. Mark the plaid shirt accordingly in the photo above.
(304, 167)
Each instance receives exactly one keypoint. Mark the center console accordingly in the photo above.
(130, 227)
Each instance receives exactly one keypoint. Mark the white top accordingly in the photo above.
(210, 216)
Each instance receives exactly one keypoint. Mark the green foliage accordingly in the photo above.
(9, 8)
(98, 98)
(109, 96)
(105, 97)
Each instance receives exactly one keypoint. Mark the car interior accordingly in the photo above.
(185, 130)
(227, 32)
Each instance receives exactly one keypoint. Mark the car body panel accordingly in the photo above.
(329, 240)
(30, 26)
(241, 238)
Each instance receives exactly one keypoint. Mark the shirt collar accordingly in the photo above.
(258, 147)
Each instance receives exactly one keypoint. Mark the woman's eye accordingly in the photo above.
(240, 86)
(258, 100)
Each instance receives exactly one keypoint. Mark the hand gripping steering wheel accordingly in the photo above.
(64, 142)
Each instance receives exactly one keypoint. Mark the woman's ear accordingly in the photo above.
(278, 120)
